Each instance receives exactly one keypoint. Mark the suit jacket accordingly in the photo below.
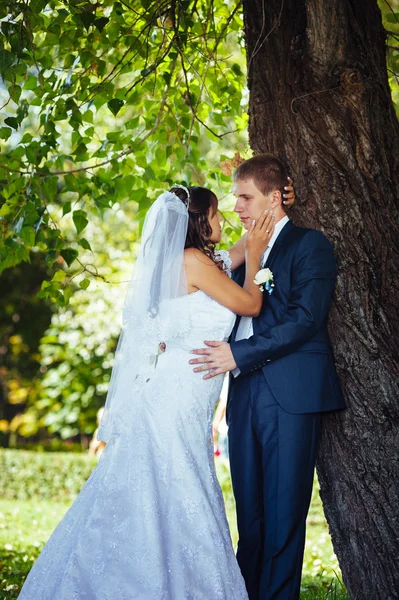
(291, 343)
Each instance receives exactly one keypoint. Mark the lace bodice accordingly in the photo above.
(209, 320)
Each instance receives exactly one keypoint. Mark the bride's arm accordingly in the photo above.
(237, 252)
(205, 275)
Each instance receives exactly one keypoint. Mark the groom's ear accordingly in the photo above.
(277, 199)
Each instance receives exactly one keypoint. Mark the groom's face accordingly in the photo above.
(251, 202)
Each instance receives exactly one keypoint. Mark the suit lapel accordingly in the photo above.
(239, 274)
(282, 238)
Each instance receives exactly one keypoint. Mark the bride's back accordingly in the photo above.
(208, 320)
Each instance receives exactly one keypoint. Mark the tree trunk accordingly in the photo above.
(319, 98)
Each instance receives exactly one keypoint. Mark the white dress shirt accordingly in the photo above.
(245, 328)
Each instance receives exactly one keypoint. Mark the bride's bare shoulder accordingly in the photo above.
(196, 259)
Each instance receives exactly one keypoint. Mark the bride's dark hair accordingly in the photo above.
(199, 231)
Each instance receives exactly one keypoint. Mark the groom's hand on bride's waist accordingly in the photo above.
(217, 358)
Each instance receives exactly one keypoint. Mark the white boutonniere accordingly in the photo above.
(264, 279)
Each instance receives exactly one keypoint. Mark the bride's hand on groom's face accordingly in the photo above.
(216, 359)
(260, 233)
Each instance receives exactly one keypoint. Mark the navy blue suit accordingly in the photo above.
(287, 380)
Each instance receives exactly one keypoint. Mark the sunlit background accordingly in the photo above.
(56, 353)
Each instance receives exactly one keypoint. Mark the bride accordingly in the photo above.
(150, 523)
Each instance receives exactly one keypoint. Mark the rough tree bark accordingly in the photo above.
(319, 98)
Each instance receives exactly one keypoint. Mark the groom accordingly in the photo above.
(283, 378)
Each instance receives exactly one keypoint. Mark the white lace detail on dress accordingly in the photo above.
(225, 256)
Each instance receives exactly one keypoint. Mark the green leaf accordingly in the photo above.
(84, 243)
(115, 105)
(5, 133)
(81, 152)
(28, 235)
(69, 255)
(50, 187)
(26, 138)
(66, 208)
(84, 284)
(80, 219)
(67, 295)
(59, 276)
(113, 136)
(393, 17)
(87, 116)
(12, 122)
(30, 83)
(6, 60)
(45, 285)
(101, 23)
(5, 210)
(36, 6)
(149, 173)
(87, 19)
(32, 152)
(15, 92)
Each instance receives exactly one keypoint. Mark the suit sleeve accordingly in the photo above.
(313, 282)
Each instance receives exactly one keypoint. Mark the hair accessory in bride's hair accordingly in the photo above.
(183, 187)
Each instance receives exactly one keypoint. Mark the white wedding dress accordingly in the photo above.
(150, 522)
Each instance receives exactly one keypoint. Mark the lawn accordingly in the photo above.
(26, 525)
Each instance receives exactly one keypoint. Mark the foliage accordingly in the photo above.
(43, 476)
(53, 444)
(73, 359)
(23, 319)
(103, 99)
(21, 543)
(390, 19)
(77, 349)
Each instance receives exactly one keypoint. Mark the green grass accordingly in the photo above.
(26, 525)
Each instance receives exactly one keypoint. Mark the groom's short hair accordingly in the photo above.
(268, 172)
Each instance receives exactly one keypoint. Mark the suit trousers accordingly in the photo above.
(272, 460)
